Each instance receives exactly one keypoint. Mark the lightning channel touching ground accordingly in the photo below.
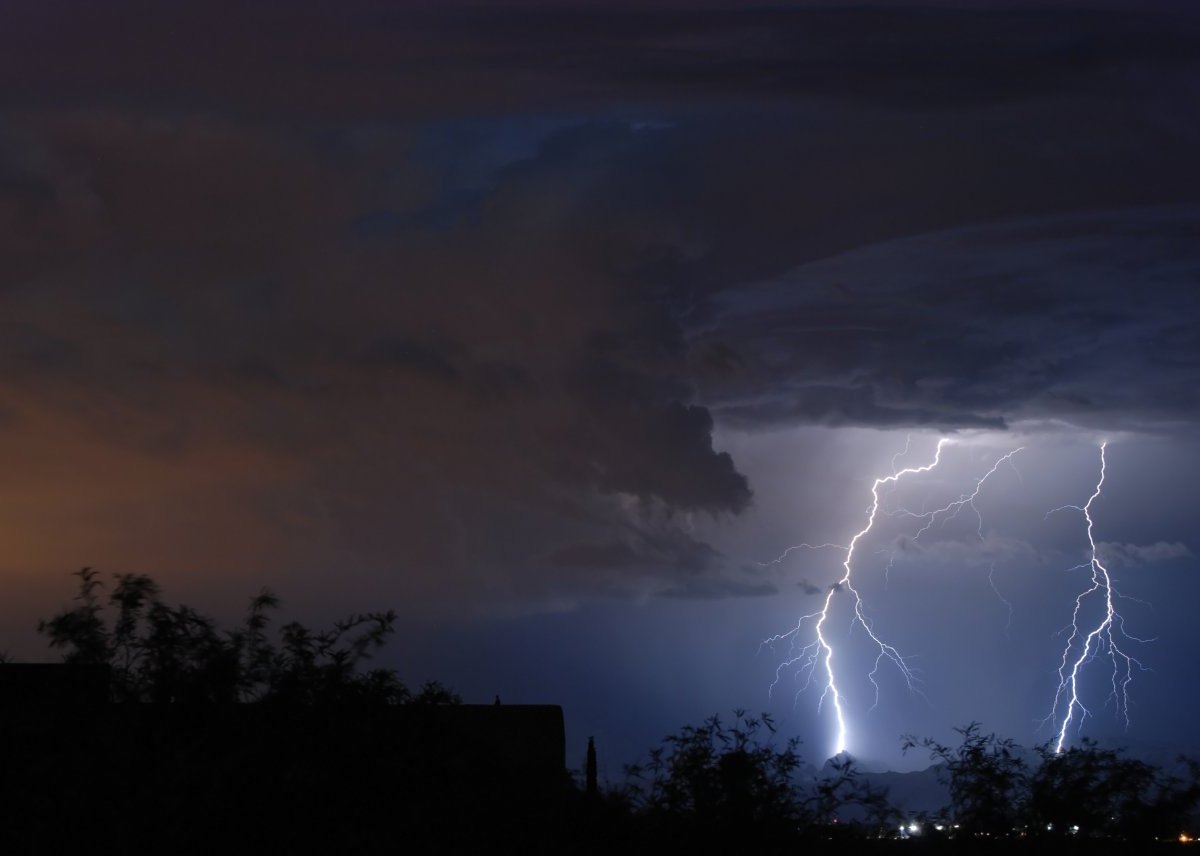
(1103, 639)
(816, 654)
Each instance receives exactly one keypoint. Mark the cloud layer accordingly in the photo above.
(1090, 319)
(452, 301)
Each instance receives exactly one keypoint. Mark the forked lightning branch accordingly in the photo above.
(813, 658)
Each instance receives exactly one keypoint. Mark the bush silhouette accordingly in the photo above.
(268, 736)
(1091, 792)
(721, 783)
(162, 653)
(1083, 792)
(987, 777)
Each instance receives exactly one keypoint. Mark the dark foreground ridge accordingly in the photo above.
(161, 731)
(78, 768)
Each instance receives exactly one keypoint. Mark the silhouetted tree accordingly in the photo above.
(719, 785)
(591, 783)
(1087, 791)
(1084, 792)
(987, 778)
(163, 653)
(722, 778)
(844, 787)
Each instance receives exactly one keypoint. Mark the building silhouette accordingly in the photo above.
(75, 767)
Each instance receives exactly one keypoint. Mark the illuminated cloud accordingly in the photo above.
(1136, 555)
(973, 328)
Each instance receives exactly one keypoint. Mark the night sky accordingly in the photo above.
(551, 326)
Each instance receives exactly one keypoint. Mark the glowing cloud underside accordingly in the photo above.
(1103, 639)
(817, 655)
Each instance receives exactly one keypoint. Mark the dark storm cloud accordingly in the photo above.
(712, 589)
(614, 554)
(645, 548)
(363, 281)
(363, 58)
(666, 559)
(403, 353)
(398, 390)
(1091, 319)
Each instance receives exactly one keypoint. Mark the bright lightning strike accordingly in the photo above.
(1104, 638)
(817, 655)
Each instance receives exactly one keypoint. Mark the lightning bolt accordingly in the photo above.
(951, 510)
(1003, 599)
(1105, 636)
(818, 654)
